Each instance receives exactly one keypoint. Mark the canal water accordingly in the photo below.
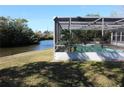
(45, 44)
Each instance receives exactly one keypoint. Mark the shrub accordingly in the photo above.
(15, 32)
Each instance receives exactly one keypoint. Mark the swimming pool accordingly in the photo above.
(94, 48)
(90, 52)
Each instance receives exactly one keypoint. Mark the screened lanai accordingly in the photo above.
(114, 25)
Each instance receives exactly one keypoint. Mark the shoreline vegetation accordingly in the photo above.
(35, 69)
(15, 32)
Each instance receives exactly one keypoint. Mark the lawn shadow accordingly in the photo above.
(46, 74)
(113, 71)
(122, 81)
(110, 56)
(75, 56)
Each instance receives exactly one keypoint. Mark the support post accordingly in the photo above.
(56, 32)
(70, 34)
(59, 32)
(111, 37)
(116, 38)
(70, 25)
(102, 27)
(54, 40)
(120, 36)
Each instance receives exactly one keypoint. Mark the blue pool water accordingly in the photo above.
(94, 48)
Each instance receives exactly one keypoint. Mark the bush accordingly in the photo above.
(15, 32)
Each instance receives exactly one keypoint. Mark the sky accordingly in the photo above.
(41, 17)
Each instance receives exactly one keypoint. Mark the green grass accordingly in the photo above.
(35, 69)
(26, 58)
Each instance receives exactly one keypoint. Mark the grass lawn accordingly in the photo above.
(35, 69)
(26, 58)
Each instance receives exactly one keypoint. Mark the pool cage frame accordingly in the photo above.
(113, 24)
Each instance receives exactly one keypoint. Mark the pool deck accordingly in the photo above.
(89, 56)
(116, 47)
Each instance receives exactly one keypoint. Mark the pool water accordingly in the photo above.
(93, 48)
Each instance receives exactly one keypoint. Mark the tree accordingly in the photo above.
(38, 34)
(15, 32)
(47, 35)
(93, 15)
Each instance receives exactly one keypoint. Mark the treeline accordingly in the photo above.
(15, 32)
(46, 35)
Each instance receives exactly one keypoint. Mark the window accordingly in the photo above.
(113, 33)
(122, 37)
(114, 38)
(118, 33)
(122, 33)
(118, 37)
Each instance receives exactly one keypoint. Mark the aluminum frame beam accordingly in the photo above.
(76, 23)
(119, 21)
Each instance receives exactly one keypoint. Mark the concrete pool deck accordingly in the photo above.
(89, 56)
